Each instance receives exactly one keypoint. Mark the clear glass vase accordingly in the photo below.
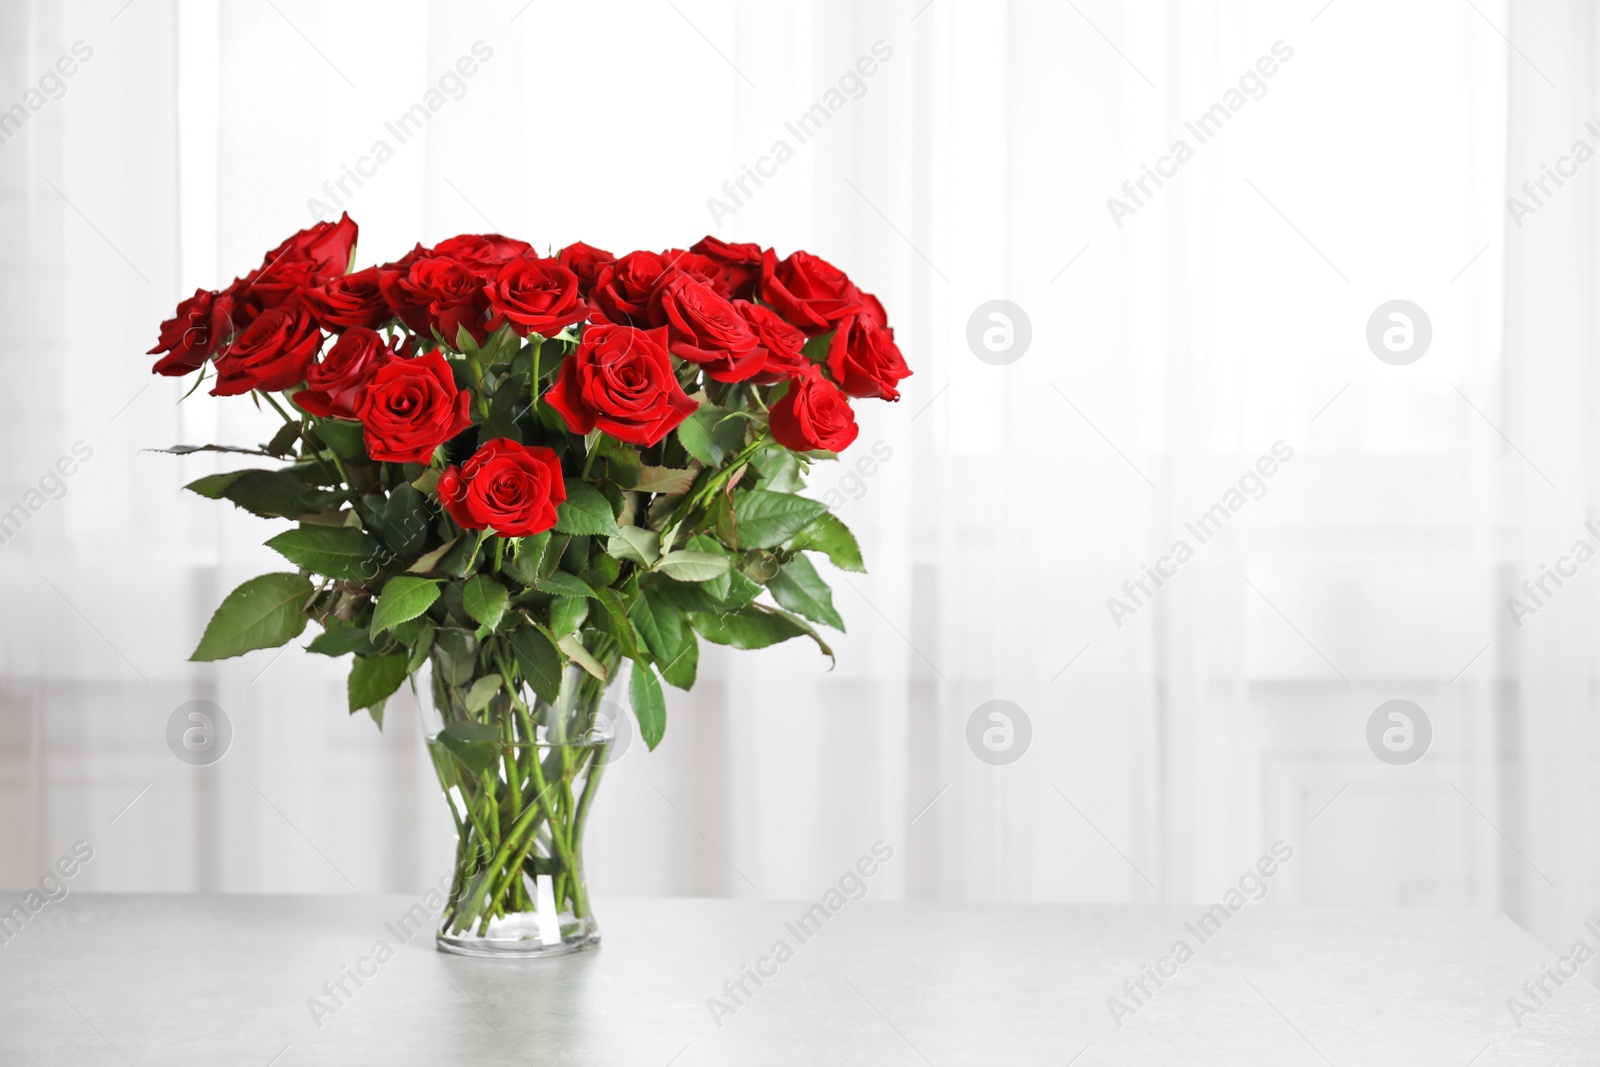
(520, 776)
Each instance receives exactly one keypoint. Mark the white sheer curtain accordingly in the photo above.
(1005, 505)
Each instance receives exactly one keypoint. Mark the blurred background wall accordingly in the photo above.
(1172, 341)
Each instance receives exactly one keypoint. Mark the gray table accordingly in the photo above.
(225, 980)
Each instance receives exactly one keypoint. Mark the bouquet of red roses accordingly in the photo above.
(512, 473)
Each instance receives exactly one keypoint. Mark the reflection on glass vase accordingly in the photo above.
(520, 775)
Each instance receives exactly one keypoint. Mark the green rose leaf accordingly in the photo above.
(586, 511)
(343, 437)
(649, 705)
(664, 480)
(567, 613)
(373, 679)
(768, 519)
(667, 636)
(342, 641)
(563, 584)
(269, 494)
(403, 597)
(343, 552)
(798, 587)
(636, 545)
(710, 434)
(833, 538)
(482, 691)
(485, 600)
(688, 565)
(264, 612)
(539, 662)
(475, 745)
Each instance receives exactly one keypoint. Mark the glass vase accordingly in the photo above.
(520, 775)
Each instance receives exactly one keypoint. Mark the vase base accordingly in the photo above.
(523, 937)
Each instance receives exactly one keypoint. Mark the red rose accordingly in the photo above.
(620, 379)
(623, 289)
(335, 385)
(411, 407)
(809, 291)
(311, 257)
(703, 328)
(483, 253)
(436, 294)
(812, 415)
(864, 359)
(271, 354)
(537, 296)
(703, 267)
(505, 487)
(187, 338)
(586, 262)
(782, 346)
(738, 266)
(349, 300)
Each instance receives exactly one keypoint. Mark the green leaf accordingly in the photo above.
(482, 691)
(343, 437)
(455, 654)
(691, 566)
(649, 706)
(581, 656)
(567, 613)
(710, 434)
(670, 640)
(768, 519)
(664, 480)
(539, 662)
(343, 640)
(801, 589)
(614, 621)
(373, 679)
(833, 538)
(404, 521)
(403, 597)
(283, 442)
(523, 563)
(421, 646)
(586, 511)
(485, 600)
(636, 545)
(474, 744)
(343, 552)
(430, 560)
(269, 494)
(264, 612)
(563, 584)
(780, 470)
(747, 628)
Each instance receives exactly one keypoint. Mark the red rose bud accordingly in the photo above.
(505, 487)
(620, 379)
(335, 385)
(411, 407)
(483, 253)
(349, 300)
(813, 415)
(782, 345)
(536, 296)
(738, 266)
(808, 291)
(623, 289)
(864, 359)
(704, 328)
(271, 354)
(187, 338)
(586, 262)
(436, 294)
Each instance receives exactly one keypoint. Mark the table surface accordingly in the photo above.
(211, 979)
